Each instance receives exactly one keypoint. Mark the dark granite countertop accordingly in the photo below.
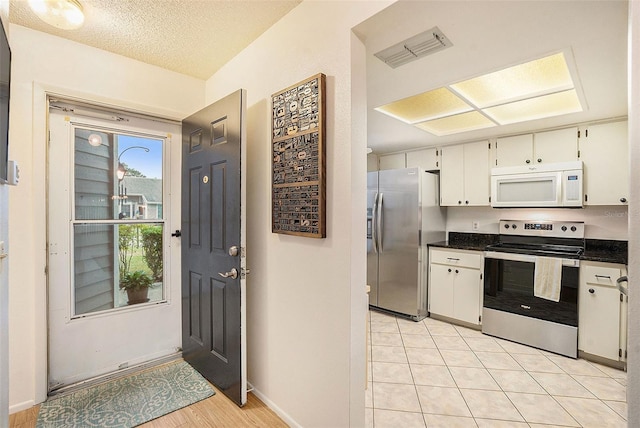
(467, 241)
(608, 251)
(599, 250)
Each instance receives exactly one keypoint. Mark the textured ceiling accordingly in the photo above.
(193, 37)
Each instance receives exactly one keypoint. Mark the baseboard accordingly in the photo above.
(278, 411)
(21, 406)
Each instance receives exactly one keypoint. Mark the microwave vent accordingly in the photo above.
(418, 46)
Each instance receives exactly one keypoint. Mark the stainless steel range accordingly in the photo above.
(531, 284)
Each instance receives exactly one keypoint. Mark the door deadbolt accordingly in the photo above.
(205, 179)
(233, 251)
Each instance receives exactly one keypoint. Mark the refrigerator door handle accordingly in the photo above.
(380, 222)
(374, 230)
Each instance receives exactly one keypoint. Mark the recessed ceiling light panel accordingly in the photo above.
(428, 105)
(536, 108)
(470, 121)
(533, 78)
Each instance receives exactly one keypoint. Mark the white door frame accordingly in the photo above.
(41, 91)
(167, 314)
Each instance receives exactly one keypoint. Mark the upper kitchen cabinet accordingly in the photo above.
(604, 150)
(429, 159)
(543, 147)
(464, 175)
(394, 161)
(560, 145)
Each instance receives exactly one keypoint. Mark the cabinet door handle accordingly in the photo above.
(623, 200)
(592, 291)
(539, 160)
(448, 270)
(453, 258)
(466, 202)
(457, 271)
(528, 161)
(459, 202)
(603, 276)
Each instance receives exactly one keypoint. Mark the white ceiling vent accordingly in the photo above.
(418, 46)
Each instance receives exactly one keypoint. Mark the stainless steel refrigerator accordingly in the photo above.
(403, 216)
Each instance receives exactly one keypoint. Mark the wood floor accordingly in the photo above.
(215, 411)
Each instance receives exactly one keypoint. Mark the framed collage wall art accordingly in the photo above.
(298, 169)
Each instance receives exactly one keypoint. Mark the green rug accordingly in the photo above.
(127, 401)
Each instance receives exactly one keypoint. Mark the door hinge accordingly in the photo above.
(436, 152)
(437, 163)
(480, 318)
(578, 133)
(496, 162)
(586, 133)
(578, 154)
(621, 297)
(489, 146)
(620, 352)
(586, 197)
(480, 276)
(625, 353)
(46, 270)
(489, 198)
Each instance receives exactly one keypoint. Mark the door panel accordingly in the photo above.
(96, 237)
(214, 339)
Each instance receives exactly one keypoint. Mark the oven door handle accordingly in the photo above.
(525, 258)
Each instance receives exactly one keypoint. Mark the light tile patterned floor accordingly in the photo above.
(434, 374)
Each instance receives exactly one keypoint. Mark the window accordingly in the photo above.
(117, 220)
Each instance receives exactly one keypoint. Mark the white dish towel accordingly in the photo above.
(548, 278)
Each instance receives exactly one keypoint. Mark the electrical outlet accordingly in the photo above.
(475, 225)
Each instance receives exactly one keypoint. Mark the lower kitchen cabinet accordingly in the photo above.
(602, 311)
(455, 284)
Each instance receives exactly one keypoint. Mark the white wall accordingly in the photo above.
(602, 222)
(4, 278)
(306, 297)
(41, 61)
(633, 361)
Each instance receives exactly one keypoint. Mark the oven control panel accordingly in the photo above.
(559, 229)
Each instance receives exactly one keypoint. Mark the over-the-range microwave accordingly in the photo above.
(544, 185)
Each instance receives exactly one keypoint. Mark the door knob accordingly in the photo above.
(233, 274)
(233, 251)
(177, 234)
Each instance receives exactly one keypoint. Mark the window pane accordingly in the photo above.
(109, 259)
(117, 176)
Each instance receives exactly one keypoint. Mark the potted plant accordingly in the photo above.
(137, 285)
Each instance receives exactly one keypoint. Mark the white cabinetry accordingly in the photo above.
(602, 316)
(604, 150)
(428, 159)
(394, 161)
(464, 175)
(543, 147)
(455, 284)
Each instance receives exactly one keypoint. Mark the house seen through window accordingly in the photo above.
(117, 220)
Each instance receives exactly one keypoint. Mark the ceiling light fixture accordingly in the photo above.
(63, 14)
(532, 90)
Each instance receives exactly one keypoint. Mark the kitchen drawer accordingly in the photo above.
(457, 258)
(600, 275)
